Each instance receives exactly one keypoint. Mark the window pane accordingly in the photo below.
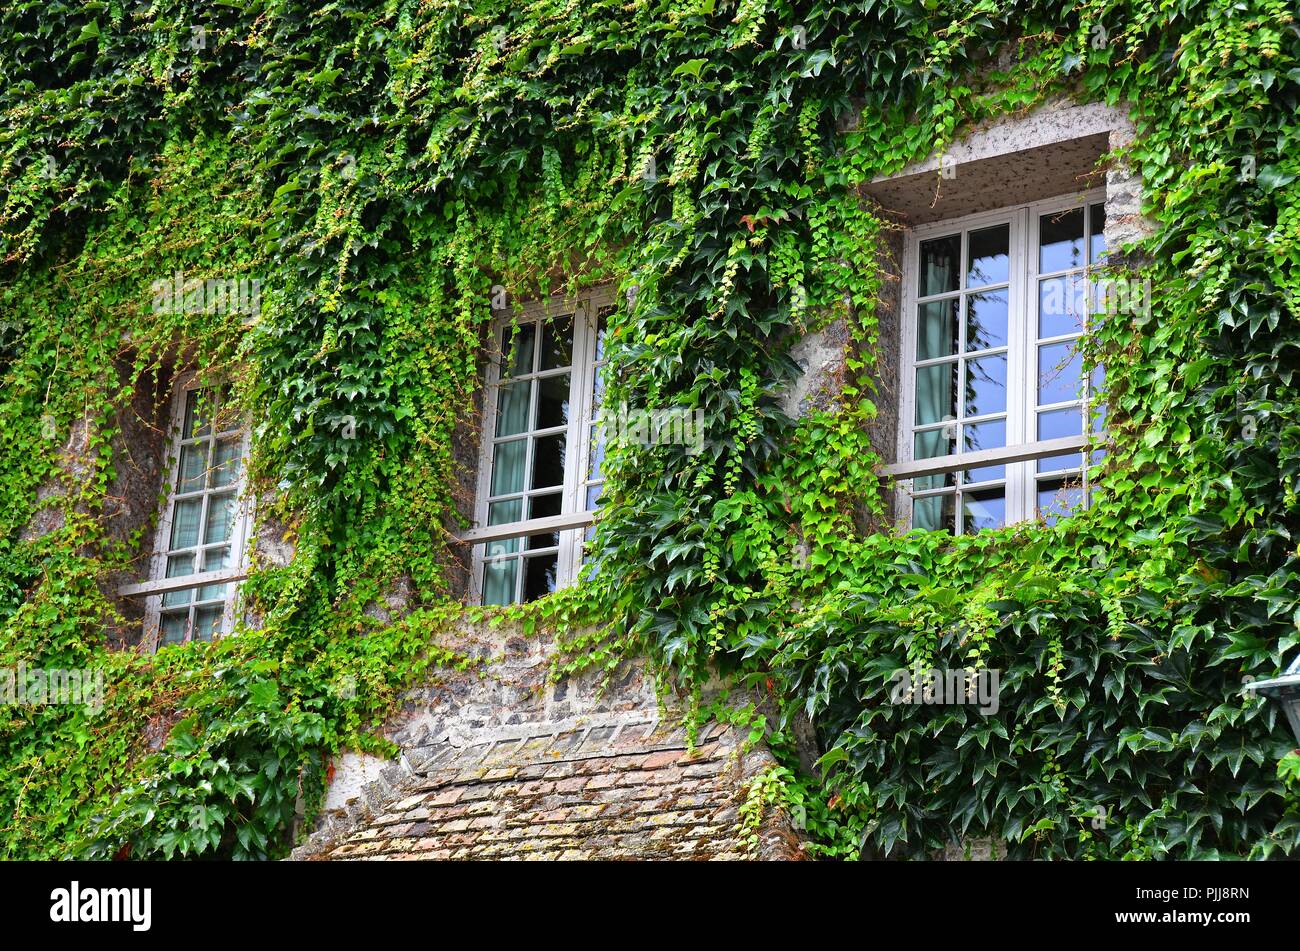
(190, 467)
(987, 261)
(593, 497)
(502, 546)
(553, 401)
(185, 523)
(499, 581)
(198, 406)
(1058, 498)
(984, 508)
(542, 506)
(1097, 233)
(986, 385)
(503, 513)
(1071, 460)
(207, 622)
(936, 329)
(512, 408)
(1060, 241)
(508, 460)
(1060, 373)
(596, 455)
(225, 462)
(548, 461)
(172, 627)
(939, 263)
(934, 512)
(557, 342)
(1057, 423)
(936, 393)
(990, 434)
(1062, 304)
(986, 320)
(539, 577)
(221, 517)
(930, 444)
(602, 329)
(517, 349)
(984, 474)
(178, 566)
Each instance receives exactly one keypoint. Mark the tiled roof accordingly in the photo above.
(618, 787)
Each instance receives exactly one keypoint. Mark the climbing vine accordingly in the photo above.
(381, 168)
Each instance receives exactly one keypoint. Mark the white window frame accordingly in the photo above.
(1023, 447)
(158, 582)
(574, 518)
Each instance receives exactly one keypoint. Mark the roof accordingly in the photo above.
(617, 787)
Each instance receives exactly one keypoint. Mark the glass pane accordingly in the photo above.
(225, 463)
(221, 517)
(178, 566)
(934, 512)
(517, 349)
(984, 508)
(986, 320)
(553, 401)
(931, 444)
(987, 261)
(936, 329)
(1060, 241)
(939, 263)
(503, 513)
(508, 460)
(185, 523)
(499, 581)
(172, 627)
(1097, 233)
(1058, 498)
(593, 497)
(541, 506)
(984, 474)
(207, 622)
(557, 342)
(986, 385)
(197, 409)
(1071, 460)
(596, 456)
(503, 546)
(990, 434)
(539, 577)
(211, 592)
(548, 461)
(189, 469)
(512, 408)
(936, 393)
(1060, 373)
(214, 559)
(602, 329)
(1060, 422)
(1062, 305)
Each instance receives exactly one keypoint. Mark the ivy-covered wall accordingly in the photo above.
(379, 167)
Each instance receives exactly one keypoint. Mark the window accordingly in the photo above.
(204, 527)
(995, 307)
(542, 448)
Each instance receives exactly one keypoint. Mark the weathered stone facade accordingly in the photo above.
(499, 762)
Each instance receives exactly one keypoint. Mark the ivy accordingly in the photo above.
(381, 168)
